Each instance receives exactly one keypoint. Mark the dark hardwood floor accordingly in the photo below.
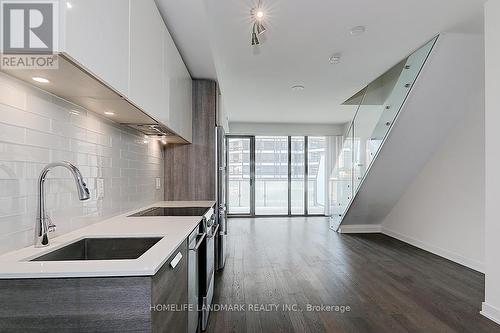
(388, 285)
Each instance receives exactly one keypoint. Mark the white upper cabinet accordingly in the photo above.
(95, 34)
(126, 45)
(178, 83)
(146, 59)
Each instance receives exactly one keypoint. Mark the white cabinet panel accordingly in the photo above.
(179, 86)
(96, 35)
(146, 59)
(125, 44)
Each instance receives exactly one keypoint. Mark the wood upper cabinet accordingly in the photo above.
(95, 34)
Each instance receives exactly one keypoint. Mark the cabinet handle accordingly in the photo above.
(176, 260)
(198, 244)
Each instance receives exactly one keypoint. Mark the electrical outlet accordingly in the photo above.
(100, 188)
(158, 183)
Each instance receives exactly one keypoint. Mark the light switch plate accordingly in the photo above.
(158, 183)
(100, 188)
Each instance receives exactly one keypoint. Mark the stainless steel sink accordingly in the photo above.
(101, 249)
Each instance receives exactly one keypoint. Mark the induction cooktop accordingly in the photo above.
(172, 211)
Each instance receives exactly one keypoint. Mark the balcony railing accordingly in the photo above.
(271, 196)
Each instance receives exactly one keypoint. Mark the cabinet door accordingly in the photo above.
(146, 59)
(179, 85)
(170, 287)
(96, 35)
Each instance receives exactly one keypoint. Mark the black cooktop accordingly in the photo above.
(172, 211)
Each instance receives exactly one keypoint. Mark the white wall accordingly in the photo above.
(491, 306)
(286, 129)
(37, 128)
(443, 208)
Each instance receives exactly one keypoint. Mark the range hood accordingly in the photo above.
(76, 85)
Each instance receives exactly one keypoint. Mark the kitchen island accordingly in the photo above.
(144, 294)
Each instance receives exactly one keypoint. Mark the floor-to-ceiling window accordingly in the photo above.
(278, 175)
(271, 175)
(239, 177)
(316, 175)
(297, 175)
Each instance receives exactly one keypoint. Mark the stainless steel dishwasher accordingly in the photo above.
(196, 241)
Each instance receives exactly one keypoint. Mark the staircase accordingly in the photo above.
(401, 117)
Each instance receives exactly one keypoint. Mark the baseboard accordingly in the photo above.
(360, 229)
(472, 264)
(491, 312)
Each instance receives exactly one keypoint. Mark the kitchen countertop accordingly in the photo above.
(173, 229)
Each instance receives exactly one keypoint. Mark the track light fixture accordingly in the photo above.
(258, 28)
(255, 39)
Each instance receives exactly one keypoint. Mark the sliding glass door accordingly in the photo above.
(297, 175)
(271, 175)
(316, 175)
(239, 177)
(277, 175)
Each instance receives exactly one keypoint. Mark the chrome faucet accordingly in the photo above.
(44, 224)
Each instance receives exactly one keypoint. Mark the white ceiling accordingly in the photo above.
(213, 37)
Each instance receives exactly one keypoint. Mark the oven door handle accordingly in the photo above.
(198, 243)
(214, 233)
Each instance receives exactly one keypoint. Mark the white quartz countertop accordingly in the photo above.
(173, 230)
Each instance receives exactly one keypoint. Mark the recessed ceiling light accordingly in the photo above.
(109, 113)
(69, 5)
(40, 79)
(74, 112)
(298, 87)
(358, 30)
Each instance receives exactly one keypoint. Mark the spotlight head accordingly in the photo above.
(260, 28)
(255, 39)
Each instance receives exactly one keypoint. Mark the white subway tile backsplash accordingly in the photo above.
(46, 106)
(12, 206)
(11, 96)
(41, 139)
(37, 128)
(22, 153)
(16, 117)
(12, 134)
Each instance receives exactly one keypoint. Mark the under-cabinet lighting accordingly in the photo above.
(40, 79)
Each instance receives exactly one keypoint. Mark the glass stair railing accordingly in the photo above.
(378, 106)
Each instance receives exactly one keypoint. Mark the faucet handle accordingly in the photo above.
(51, 227)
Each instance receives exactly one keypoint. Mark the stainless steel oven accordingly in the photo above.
(195, 242)
(207, 269)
